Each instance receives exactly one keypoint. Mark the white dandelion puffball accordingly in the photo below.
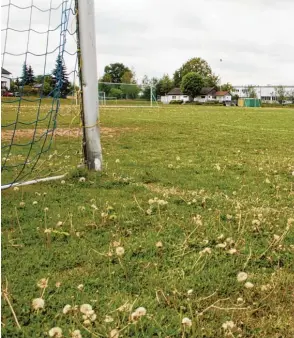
(46, 209)
(16, 188)
(242, 276)
(62, 182)
(58, 284)
(141, 311)
(248, 285)
(59, 224)
(159, 245)
(120, 251)
(187, 322)
(87, 322)
(117, 160)
(66, 309)
(149, 211)
(221, 245)
(22, 204)
(114, 333)
(35, 203)
(76, 334)
(85, 308)
(205, 251)
(108, 319)
(240, 300)
(232, 251)
(38, 303)
(228, 325)
(190, 292)
(55, 332)
(42, 283)
(81, 287)
(82, 179)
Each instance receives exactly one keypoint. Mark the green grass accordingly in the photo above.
(226, 174)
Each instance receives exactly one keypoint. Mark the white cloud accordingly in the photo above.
(253, 37)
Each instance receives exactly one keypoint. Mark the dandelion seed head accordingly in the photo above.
(108, 319)
(120, 251)
(35, 202)
(221, 245)
(55, 332)
(159, 245)
(87, 322)
(228, 325)
(117, 160)
(42, 283)
(190, 292)
(16, 188)
(187, 322)
(205, 251)
(93, 206)
(240, 300)
(76, 334)
(59, 224)
(62, 182)
(58, 284)
(242, 276)
(114, 333)
(149, 211)
(248, 285)
(82, 179)
(66, 309)
(38, 303)
(46, 209)
(81, 287)
(22, 204)
(232, 251)
(85, 308)
(141, 311)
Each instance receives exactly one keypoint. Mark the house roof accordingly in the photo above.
(222, 93)
(175, 91)
(207, 90)
(4, 71)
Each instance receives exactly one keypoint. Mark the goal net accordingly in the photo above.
(126, 95)
(43, 127)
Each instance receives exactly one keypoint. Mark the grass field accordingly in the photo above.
(193, 195)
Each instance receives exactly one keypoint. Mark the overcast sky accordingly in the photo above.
(254, 38)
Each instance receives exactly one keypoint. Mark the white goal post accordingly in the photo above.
(88, 81)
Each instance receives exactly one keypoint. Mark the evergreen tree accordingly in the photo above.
(24, 75)
(30, 76)
(17, 82)
(60, 78)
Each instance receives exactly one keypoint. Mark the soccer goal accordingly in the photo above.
(48, 60)
(126, 95)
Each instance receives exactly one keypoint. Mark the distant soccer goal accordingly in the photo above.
(126, 95)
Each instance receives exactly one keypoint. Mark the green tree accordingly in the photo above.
(227, 87)
(130, 91)
(30, 76)
(250, 92)
(146, 84)
(280, 93)
(199, 66)
(164, 85)
(191, 84)
(17, 82)
(60, 78)
(291, 96)
(116, 72)
(24, 75)
(116, 92)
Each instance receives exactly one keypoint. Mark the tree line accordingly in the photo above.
(56, 83)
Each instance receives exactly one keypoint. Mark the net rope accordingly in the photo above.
(26, 141)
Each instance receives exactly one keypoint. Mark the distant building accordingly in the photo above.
(174, 95)
(5, 79)
(266, 94)
(223, 96)
(206, 94)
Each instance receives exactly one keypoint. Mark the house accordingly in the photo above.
(174, 95)
(206, 94)
(5, 79)
(223, 96)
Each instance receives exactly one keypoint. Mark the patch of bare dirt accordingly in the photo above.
(6, 135)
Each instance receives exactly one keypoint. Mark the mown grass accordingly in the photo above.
(227, 175)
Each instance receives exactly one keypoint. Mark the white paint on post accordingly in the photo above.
(86, 13)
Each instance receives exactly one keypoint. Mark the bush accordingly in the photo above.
(176, 102)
